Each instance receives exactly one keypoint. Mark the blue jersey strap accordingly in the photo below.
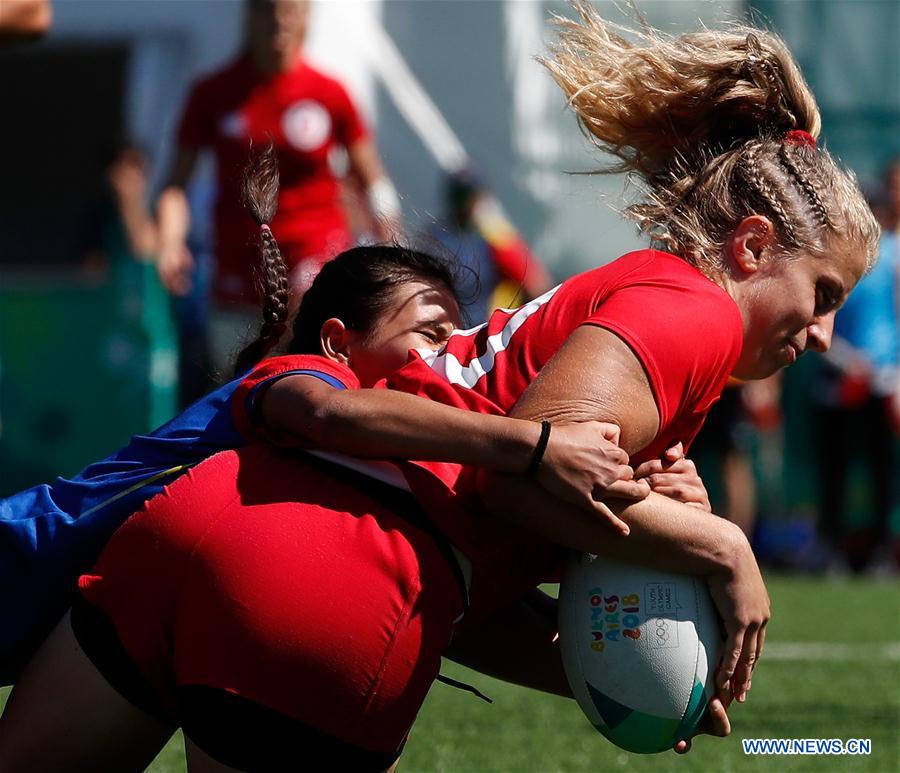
(253, 402)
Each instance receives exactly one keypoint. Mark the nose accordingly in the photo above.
(819, 333)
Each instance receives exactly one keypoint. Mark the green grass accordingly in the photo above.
(812, 698)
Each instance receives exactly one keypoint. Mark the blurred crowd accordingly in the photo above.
(845, 403)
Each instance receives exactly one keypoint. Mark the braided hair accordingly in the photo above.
(356, 286)
(261, 197)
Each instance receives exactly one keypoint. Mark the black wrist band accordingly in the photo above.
(539, 450)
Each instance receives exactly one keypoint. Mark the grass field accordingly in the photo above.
(833, 671)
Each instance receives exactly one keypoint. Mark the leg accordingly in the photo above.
(880, 452)
(740, 490)
(832, 439)
(62, 715)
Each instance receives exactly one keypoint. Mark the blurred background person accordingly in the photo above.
(856, 391)
(269, 92)
(504, 271)
(723, 452)
(128, 180)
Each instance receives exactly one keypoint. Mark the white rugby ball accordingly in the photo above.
(640, 648)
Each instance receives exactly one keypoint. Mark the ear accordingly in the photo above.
(752, 236)
(335, 340)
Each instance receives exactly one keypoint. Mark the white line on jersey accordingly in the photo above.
(450, 368)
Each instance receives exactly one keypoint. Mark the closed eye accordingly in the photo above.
(436, 333)
(828, 298)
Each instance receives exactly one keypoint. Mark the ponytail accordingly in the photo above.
(707, 122)
(261, 197)
(660, 98)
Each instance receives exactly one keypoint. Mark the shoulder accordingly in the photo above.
(325, 86)
(650, 283)
(334, 373)
(686, 331)
(305, 69)
(220, 80)
(247, 397)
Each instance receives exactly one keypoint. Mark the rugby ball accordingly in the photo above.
(640, 648)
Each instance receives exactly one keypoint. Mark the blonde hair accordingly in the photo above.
(700, 119)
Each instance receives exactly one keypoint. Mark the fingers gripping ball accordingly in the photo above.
(640, 649)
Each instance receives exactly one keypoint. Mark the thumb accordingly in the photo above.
(611, 432)
(610, 517)
(675, 453)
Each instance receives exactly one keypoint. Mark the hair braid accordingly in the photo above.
(261, 196)
(804, 181)
(759, 183)
(275, 288)
(765, 71)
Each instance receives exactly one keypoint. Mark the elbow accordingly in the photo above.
(288, 410)
(730, 548)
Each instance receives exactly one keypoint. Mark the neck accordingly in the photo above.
(270, 61)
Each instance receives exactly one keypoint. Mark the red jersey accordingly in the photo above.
(245, 399)
(685, 330)
(306, 114)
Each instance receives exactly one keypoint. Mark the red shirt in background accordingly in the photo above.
(306, 114)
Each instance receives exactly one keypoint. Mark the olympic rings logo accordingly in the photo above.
(662, 629)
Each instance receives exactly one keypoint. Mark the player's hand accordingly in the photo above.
(742, 600)
(583, 464)
(715, 722)
(175, 266)
(675, 476)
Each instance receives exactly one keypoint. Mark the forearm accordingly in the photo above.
(139, 228)
(388, 424)
(174, 216)
(664, 534)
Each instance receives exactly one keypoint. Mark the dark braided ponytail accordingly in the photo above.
(261, 198)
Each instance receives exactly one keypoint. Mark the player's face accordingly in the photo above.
(421, 316)
(279, 25)
(789, 307)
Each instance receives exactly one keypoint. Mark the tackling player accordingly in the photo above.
(767, 237)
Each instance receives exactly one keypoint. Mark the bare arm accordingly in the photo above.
(175, 263)
(129, 183)
(384, 423)
(596, 376)
(381, 197)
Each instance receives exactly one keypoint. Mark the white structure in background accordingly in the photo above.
(582, 225)
(447, 79)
